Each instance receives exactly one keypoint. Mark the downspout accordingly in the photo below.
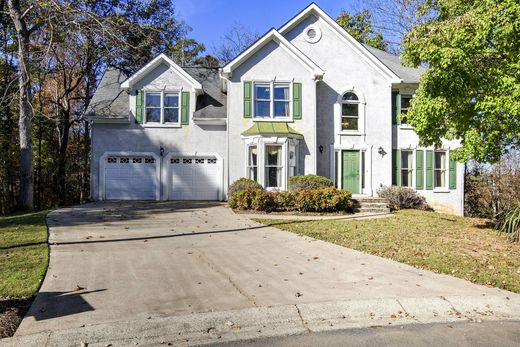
(226, 159)
(316, 80)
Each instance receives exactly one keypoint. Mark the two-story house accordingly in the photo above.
(304, 98)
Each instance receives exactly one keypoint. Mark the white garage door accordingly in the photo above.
(131, 178)
(193, 178)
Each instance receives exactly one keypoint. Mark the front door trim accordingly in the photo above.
(367, 149)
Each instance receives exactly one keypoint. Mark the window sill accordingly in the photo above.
(149, 125)
(441, 190)
(351, 133)
(266, 119)
(405, 127)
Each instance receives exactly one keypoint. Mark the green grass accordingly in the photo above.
(467, 248)
(23, 254)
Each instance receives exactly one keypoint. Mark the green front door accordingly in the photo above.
(350, 168)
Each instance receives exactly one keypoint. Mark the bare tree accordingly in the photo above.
(395, 18)
(234, 41)
(23, 34)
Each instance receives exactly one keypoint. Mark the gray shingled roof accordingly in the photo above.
(211, 104)
(393, 62)
(109, 101)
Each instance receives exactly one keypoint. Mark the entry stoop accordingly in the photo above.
(369, 204)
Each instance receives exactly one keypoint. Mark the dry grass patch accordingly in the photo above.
(467, 248)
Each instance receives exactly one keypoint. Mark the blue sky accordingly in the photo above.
(210, 20)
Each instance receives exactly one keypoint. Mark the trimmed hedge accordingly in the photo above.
(402, 198)
(309, 182)
(327, 199)
(243, 184)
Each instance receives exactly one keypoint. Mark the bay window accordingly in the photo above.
(252, 163)
(273, 166)
(292, 161)
(272, 100)
(162, 107)
(440, 169)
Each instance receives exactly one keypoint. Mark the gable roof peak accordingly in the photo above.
(362, 51)
(271, 35)
(161, 58)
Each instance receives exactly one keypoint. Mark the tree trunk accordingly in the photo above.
(64, 132)
(25, 199)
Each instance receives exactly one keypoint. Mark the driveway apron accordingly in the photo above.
(122, 261)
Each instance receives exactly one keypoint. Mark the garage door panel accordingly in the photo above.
(194, 178)
(131, 178)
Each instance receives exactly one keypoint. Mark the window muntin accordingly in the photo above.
(153, 107)
(439, 169)
(406, 168)
(350, 112)
(273, 166)
(252, 163)
(162, 107)
(262, 100)
(281, 100)
(272, 100)
(171, 107)
(405, 106)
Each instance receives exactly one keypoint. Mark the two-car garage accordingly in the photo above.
(146, 176)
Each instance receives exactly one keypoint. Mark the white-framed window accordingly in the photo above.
(406, 168)
(350, 112)
(162, 107)
(405, 106)
(252, 163)
(273, 166)
(272, 100)
(292, 160)
(439, 178)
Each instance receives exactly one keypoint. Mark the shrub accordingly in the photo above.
(327, 199)
(263, 201)
(508, 221)
(243, 184)
(284, 201)
(242, 199)
(308, 182)
(402, 198)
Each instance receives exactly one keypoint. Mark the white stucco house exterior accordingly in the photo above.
(305, 98)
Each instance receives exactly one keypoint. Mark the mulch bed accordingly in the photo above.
(12, 312)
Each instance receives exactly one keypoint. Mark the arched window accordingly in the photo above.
(350, 112)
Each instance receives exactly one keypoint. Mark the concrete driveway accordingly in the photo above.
(136, 261)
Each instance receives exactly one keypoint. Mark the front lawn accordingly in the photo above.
(23, 254)
(23, 261)
(463, 247)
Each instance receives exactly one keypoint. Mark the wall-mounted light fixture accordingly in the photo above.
(381, 151)
(320, 148)
(161, 151)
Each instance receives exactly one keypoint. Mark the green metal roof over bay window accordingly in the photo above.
(271, 129)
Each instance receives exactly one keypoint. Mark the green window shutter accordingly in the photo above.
(139, 96)
(429, 170)
(453, 173)
(419, 169)
(297, 100)
(396, 107)
(396, 167)
(248, 112)
(185, 108)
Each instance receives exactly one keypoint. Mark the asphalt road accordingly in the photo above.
(495, 334)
